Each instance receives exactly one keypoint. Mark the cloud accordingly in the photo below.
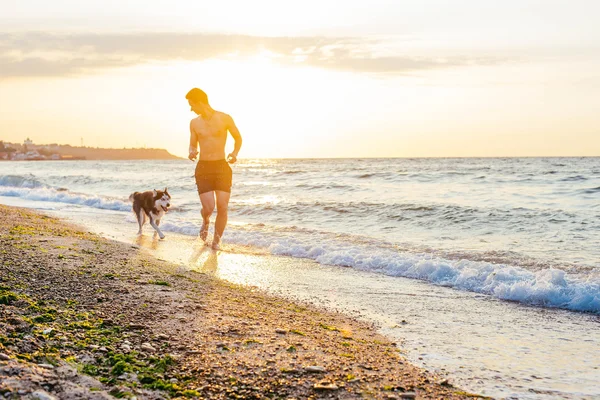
(38, 54)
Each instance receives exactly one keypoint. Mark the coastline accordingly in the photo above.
(110, 320)
(55, 152)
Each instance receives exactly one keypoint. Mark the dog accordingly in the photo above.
(154, 204)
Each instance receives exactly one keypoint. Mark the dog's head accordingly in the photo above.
(162, 199)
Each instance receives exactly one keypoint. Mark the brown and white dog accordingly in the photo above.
(153, 204)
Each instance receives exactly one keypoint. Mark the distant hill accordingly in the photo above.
(92, 153)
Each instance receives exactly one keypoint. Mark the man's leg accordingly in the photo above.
(208, 205)
(221, 222)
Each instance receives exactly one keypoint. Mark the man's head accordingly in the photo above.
(198, 101)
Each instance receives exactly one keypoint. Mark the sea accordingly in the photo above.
(459, 259)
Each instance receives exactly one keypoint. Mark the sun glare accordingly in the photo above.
(275, 105)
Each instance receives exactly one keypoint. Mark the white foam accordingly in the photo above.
(53, 195)
(547, 287)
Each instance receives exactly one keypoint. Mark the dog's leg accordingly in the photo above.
(157, 224)
(141, 217)
(160, 234)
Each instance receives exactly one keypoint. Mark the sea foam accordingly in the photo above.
(547, 287)
(60, 196)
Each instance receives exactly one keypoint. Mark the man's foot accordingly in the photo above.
(216, 243)
(203, 234)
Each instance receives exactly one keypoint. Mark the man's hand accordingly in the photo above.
(231, 158)
(192, 156)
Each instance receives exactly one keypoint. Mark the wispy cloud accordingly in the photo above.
(39, 54)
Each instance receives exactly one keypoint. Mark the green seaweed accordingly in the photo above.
(90, 369)
(7, 298)
(44, 318)
(160, 283)
(328, 327)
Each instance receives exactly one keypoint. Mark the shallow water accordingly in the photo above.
(519, 229)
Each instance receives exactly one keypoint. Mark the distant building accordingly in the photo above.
(28, 142)
(33, 155)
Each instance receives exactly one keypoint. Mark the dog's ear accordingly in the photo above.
(166, 191)
(154, 193)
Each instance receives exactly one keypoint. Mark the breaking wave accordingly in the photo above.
(64, 196)
(549, 287)
(28, 181)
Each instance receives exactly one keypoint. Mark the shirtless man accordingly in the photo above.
(213, 173)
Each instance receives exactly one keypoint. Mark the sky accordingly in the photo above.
(383, 78)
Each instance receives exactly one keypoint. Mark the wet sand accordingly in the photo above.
(86, 317)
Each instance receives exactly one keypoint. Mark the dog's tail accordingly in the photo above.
(132, 196)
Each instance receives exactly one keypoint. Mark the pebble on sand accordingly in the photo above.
(42, 395)
(148, 347)
(325, 385)
(314, 368)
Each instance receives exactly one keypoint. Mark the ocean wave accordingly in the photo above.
(424, 215)
(548, 287)
(315, 186)
(336, 209)
(457, 173)
(27, 181)
(574, 178)
(64, 196)
(591, 190)
(364, 176)
(376, 174)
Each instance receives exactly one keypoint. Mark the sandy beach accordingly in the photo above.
(85, 317)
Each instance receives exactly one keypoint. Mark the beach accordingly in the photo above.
(484, 271)
(89, 317)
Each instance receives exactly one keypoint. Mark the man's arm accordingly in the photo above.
(235, 133)
(193, 150)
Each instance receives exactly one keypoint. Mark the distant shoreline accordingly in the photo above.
(56, 152)
(49, 159)
(102, 159)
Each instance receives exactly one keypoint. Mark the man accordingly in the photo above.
(213, 173)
